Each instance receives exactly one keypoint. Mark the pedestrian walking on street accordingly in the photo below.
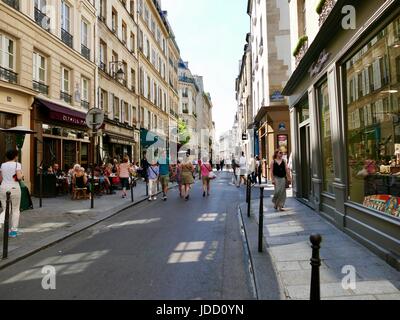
(165, 170)
(153, 174)
(234, 168)
(124, 171)
(206, 176)
(242, 169)
(280, 174)
(252, 170)
(178, 173)
(258, 169)
(187, 177)
(10, 175)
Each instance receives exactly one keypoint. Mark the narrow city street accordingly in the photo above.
(156, 250)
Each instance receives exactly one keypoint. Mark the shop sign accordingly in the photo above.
(318, 65)
(67, 118)
(283, 144)
(277, 96)
(282, 126)
(121, 141)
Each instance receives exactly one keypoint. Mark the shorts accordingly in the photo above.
(125, 183)
(164, 181)
(205, 179)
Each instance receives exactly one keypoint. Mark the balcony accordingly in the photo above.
(85, 51)
(67, 38)
(261, 47)
(12, 3)
(42, 20)
(85, 104)
(301, 49)
(8, 75)
(103, 66)
(40, 87)
(65, 97)
(324, 8)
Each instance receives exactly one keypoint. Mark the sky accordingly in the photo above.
(211, 35)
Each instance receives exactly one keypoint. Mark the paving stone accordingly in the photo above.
(375, 287)
(365, 297)
(287, 265)
(392, 296)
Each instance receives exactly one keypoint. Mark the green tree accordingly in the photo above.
(183, 132)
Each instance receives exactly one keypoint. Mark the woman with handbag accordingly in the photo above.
(280, 175)
(187, 177)
(10, 175)
(207, 175)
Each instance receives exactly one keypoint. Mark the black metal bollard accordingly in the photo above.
(315, 291)
(248, 199)
(261, 220)
(132, 184)
(40, 187)
(6, 225)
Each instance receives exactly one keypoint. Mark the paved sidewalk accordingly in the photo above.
(287, 237)
(62, 217)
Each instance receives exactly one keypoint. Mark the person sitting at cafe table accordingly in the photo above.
(79, 178)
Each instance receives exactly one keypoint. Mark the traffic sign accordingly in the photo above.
(95, 118)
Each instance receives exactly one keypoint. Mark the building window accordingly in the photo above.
(39, 73)
(116, 108)
(134, 116)
(103, 10)
(103, 56)
(133, 80)
(373, 124)
(65, 85)
(103, 100)
(133, 41)
(7, 59)
(85, 39)
(125, 112)
(124, 33)
(326, 146)
(65, 16)
(114, 20)
(85, 93)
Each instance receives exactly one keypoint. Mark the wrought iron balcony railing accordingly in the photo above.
(66, 97)
(40, 87)
(85, 104)
(85, 51)
(42, 20)
(12, 3)
(324, 9)
(67, 38)
(8, 75)
(103, 66)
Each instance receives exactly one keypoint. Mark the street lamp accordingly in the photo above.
(120, 74)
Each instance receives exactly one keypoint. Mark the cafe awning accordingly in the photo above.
(61, 113)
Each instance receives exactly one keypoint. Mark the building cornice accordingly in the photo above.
(331, 26)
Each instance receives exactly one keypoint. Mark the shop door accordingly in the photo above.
(305, 161)
(69, 154)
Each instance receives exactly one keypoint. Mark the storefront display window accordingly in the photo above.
(7, 141)
(304, 111)
(373, 122)
(326, 146)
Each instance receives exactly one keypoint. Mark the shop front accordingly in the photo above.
(62, 137)
(119, 141)
(346, 128)
(273, 133)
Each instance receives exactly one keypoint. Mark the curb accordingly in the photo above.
(63, 235)
(258, 260)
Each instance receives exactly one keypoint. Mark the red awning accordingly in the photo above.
(58, 112)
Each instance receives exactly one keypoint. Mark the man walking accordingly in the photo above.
(164, 173)
(243, 169)
(144, 164)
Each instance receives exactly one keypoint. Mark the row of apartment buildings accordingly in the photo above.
(59, 59)
(320, 79)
